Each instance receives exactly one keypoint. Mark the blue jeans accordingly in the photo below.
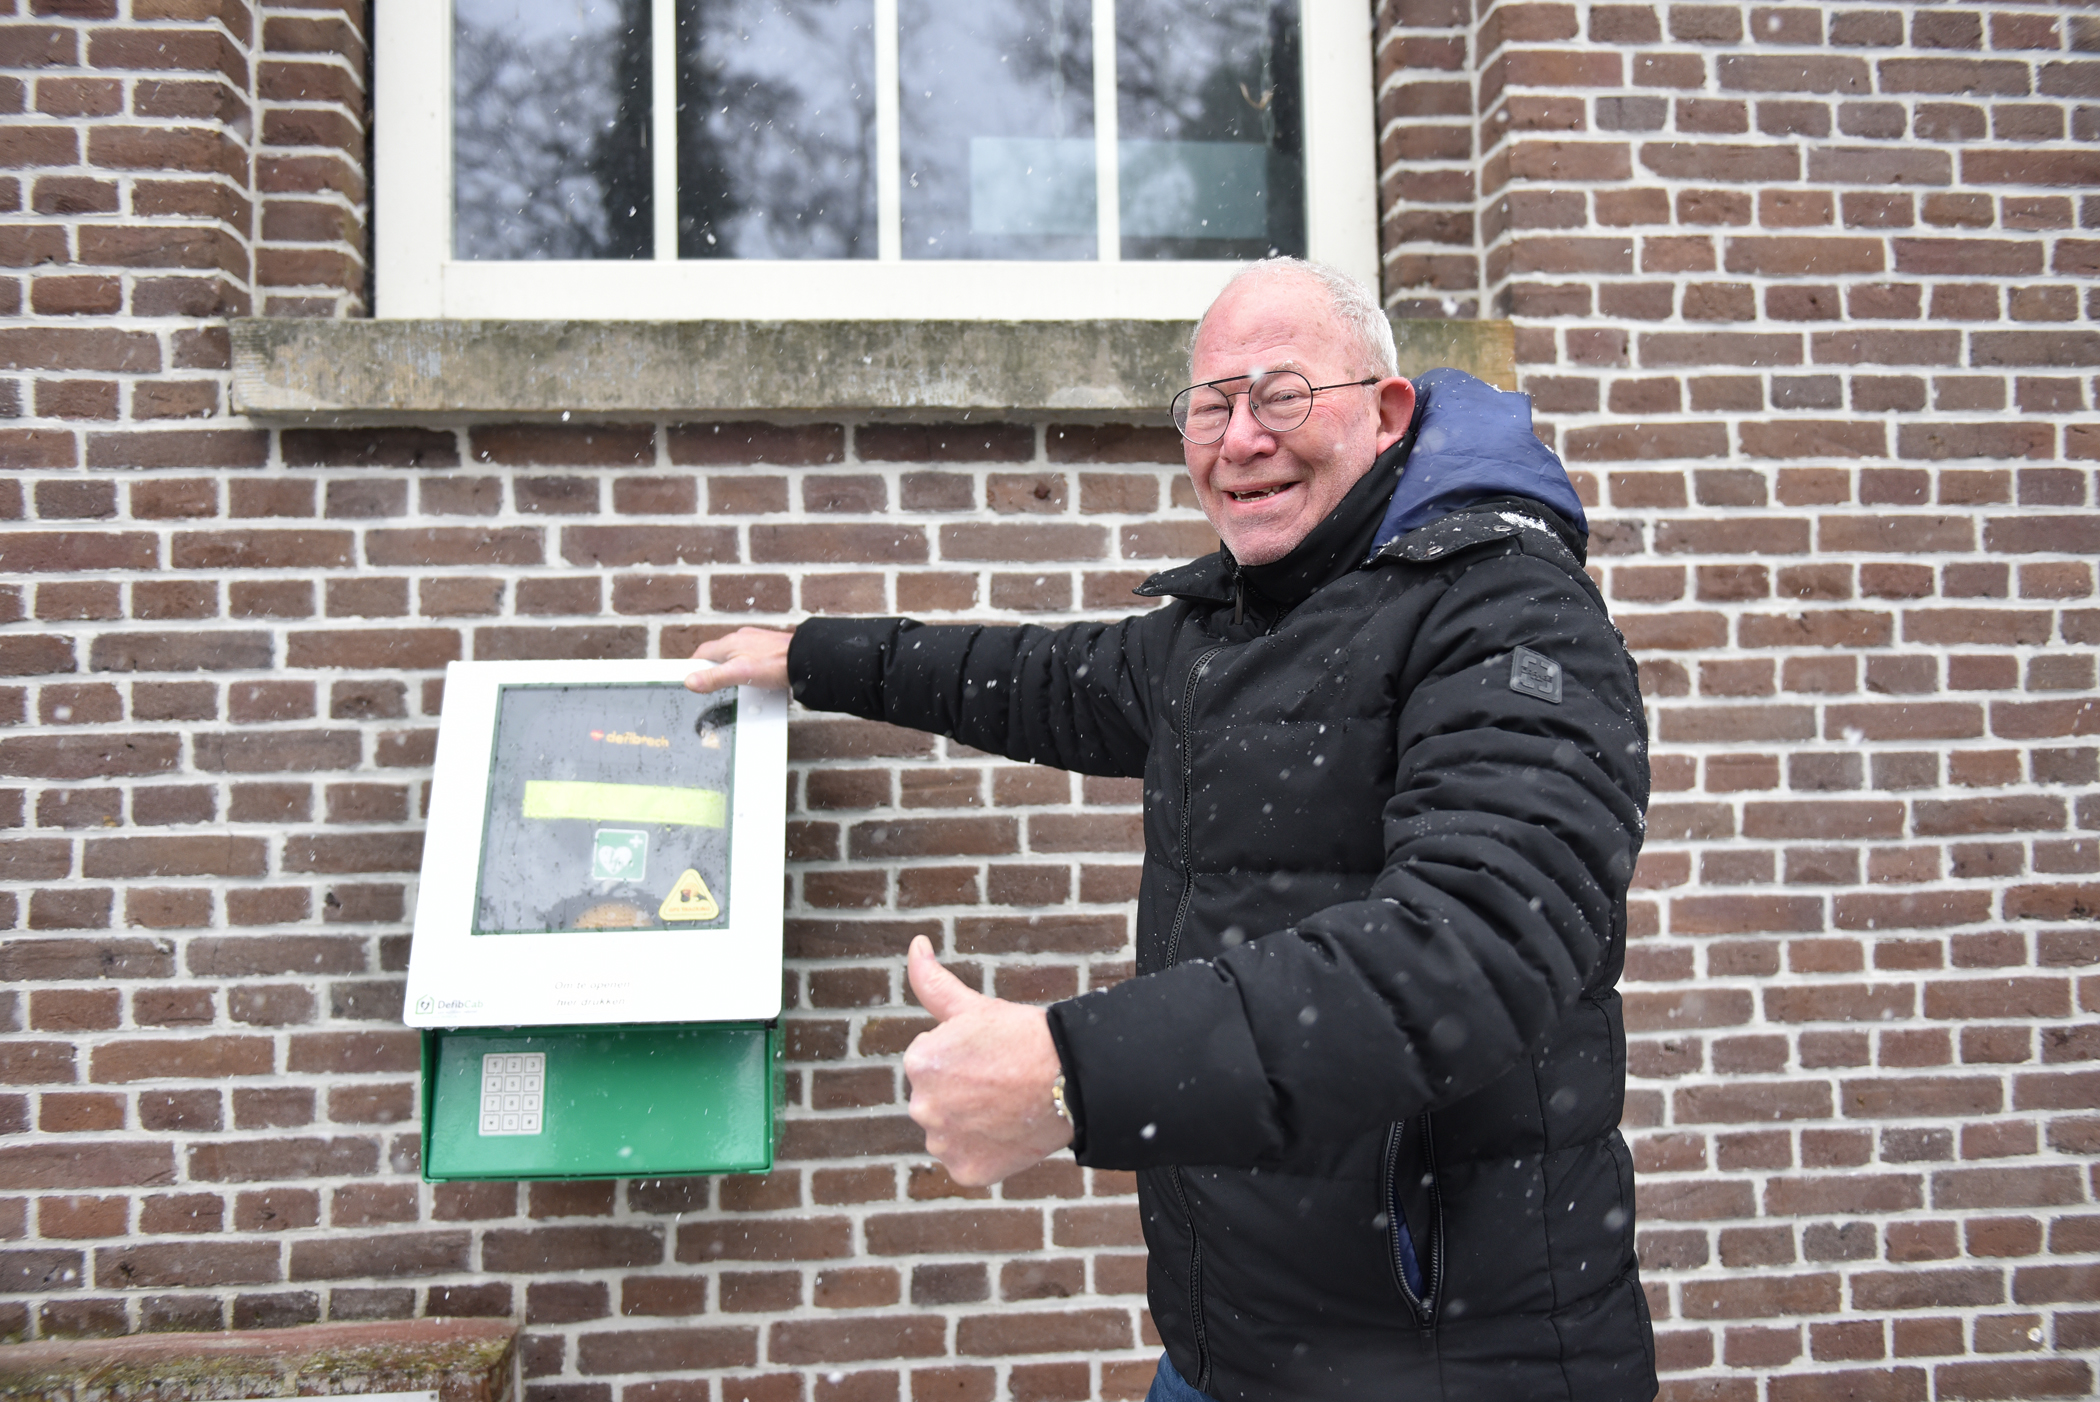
(1170, 1386)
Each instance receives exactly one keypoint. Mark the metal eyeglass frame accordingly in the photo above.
(1179, 408)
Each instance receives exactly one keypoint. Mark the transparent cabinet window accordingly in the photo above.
(779, 118)
(608, 809)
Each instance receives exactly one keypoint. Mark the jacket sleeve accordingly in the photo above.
(1510, 838)
(1073, 697)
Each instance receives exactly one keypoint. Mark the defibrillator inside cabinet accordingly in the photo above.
(597, 956)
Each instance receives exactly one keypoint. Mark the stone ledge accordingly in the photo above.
(287, 370)
(464, 1360)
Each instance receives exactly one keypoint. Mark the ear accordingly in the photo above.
(1396, 410)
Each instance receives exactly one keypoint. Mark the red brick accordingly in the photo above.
(485, 546)
(2007, 1186)
(1003, 543)
(837, 544)
(1896, 1097)
(955, 1230)
(1739, 537)
(1751, 1102)
(735, 444)
(1111, 443)
(1918, 911)
(267, 1161)
(1851, 1194)
(2005, 1378)
(617, 546)
(1039, 934)
(920, 837)
(952, 442)
(2056, 1284)
(186, 1264)
(571, 1248)
(122, 857)
(1861, 1385)
(851, 1340)
(1023, 1332)
(1646, 442)
(1839, 1002)
(801, 1239)
(389, 1256)
(665, 1350)
(1761, 1298)
(1926, 1289)
(74, 1164)
(201, 1058)
(563, 445)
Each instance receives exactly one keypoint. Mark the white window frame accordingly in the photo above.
(417, 277)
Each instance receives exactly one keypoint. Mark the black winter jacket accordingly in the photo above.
(1372, 1069)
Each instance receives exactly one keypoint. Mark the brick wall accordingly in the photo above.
(1803, 295)
(222, 706)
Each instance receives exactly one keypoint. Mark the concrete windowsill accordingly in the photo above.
(373, 372)
(463, 1360)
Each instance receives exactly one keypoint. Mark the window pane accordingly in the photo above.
(1210, 106)
(996, 110)
(550, 129)
(776, 129)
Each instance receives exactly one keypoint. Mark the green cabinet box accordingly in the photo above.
(596, 961)
(599, 1102)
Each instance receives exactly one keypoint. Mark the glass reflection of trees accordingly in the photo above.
(1199, 82)
(550, 138)
(776, 129)
(776, 139)
(996, 129)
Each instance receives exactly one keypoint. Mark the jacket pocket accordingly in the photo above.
(1414, 1217)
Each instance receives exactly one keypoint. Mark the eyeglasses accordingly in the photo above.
(1281, 400)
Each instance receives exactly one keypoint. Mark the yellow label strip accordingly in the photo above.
(626, 803)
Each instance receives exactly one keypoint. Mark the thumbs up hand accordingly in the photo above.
(980, 1081)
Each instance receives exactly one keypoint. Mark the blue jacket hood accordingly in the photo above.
(1471, 442)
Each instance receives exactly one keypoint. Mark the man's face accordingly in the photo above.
(1265, 491)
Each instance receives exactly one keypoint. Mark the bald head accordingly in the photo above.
(1355, 311)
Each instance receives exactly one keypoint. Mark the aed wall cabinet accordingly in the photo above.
(596, 965)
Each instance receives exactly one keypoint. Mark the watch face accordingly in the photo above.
(608, 809)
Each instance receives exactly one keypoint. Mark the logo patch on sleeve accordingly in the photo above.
(1534, 674)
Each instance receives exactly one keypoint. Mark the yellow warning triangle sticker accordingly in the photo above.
(689, 900)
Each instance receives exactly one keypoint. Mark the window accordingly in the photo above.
(768, 159)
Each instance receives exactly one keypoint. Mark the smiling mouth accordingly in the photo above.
(1262, 495)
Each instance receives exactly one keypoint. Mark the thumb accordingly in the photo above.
(940, 992)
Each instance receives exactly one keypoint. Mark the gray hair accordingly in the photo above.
(1353, 305)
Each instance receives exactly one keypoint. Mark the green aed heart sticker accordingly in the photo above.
(619, 854)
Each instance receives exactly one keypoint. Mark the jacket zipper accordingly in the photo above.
(1195, 1285)
(1424, 1307)
(1188, 890)
(1188, 876)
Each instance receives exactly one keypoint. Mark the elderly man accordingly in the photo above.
(1370, 1070)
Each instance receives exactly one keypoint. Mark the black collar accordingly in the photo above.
(1338, 544)
(1330, 550)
